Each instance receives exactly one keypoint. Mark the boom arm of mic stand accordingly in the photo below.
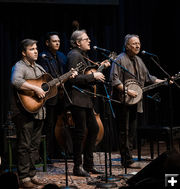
(160, 67)
(169, 77)
(126, 70)
(94, 94)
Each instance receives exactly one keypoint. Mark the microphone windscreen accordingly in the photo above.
(143, 52)
(43, 56)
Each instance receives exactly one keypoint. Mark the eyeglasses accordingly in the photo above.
(86, 39)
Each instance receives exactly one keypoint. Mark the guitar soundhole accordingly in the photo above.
(45, 87)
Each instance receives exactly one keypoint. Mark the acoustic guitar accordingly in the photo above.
(28, 98)
(134, 85)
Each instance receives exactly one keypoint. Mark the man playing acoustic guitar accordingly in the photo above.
(28, 76)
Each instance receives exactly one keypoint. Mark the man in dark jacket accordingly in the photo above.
(82, 105)
(54, 62)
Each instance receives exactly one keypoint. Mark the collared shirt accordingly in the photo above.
(136, 67)
(22, 71)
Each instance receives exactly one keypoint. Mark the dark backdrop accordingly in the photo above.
(155, 21)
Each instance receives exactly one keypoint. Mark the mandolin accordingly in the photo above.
(98, 67)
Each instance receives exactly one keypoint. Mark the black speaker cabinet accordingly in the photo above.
(153, 175)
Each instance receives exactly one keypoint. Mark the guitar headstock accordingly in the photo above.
(176, 76)
(80, 66)
(113, 55)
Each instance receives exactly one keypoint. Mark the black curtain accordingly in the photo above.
(155, 21)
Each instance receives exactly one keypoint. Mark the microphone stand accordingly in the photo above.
(170, 100)
(65, 151)
(106, 184)
(124, 103)
(107, 139)
(93, 94)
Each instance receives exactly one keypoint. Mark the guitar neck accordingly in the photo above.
(100, 69)
(155, 85)
(64, 77)
(165, 82)
(60, 79)
(112, 56)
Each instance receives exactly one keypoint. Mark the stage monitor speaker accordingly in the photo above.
(153, 175)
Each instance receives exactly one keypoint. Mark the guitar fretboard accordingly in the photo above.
(165, 82)
(155, 85)
(60, 79)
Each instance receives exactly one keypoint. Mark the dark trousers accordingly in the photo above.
(126, 119)
(28, 141)
(49, 130)
(84, 135)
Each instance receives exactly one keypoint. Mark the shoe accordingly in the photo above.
(27, 184)
(133, 166)
(93, 170)
(35, 181)
(79, 171)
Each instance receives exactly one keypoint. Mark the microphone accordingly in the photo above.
(45, 56)
(147, 53)
(77, 88)
(101, 49)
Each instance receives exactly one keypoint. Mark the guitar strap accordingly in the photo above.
(34, 68)
(42, 70)
(90, 60)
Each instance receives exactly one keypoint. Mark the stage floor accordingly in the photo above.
(56, 171)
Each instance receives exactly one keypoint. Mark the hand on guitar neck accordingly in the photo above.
(74, 73)
(160, 80)
(105, 63)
